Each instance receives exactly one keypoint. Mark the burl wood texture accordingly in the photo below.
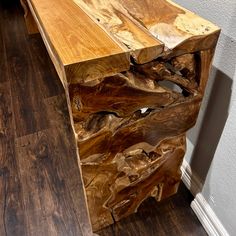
(134, 74)
(150, 27)
(38, 172)
(131, 133)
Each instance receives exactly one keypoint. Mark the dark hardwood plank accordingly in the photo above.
(59, 119)
(52, 188)
(11, 199)
(49, 208)
(43, 67)
(3, 66)
(40, 184)
(27, 104)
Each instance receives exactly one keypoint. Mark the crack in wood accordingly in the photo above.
(134, 92)
(131, 133)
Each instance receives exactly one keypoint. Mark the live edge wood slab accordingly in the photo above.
(134, 73)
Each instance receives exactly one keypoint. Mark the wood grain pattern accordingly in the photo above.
(46, 188)
(72, 38)
(29, 20)
(129, 119)
(3, 65)
(37, 194)
(123, 29)
(12, 220)
(43, 69)
(117, 21)
(22, 81)
(172, 25)
(40, 183)
(176, 219)
(131, 138)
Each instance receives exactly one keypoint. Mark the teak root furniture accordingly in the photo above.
(134, 73)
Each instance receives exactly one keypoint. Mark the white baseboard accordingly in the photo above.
(207, 217)
(200, 206)
(191, 181)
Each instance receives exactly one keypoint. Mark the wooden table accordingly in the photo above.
(134, 73)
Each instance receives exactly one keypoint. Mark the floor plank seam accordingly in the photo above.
(5, 200)
(43, 190)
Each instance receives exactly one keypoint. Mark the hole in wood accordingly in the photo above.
(170, 85)
(98, 120)
(143, 112)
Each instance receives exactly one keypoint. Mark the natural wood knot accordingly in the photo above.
(42, 151)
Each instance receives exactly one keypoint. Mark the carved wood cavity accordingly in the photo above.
(131, 133)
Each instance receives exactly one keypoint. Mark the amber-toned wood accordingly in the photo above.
(73, 43)
(39, 177)
(131, 138)
(41, 188)
(29, 20)
(169, 23)
(115, 18)
(129, 118)
(168, 217)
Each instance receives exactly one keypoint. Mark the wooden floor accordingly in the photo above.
(40, 190)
